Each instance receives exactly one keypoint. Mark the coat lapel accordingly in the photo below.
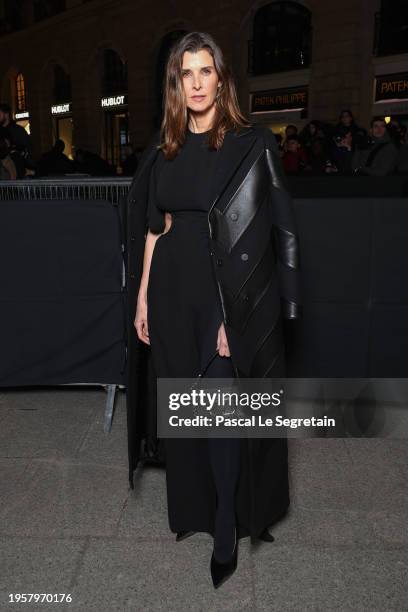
(232, 154)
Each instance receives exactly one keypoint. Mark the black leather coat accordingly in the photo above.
(255, 256)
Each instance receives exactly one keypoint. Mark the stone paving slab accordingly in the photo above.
(14, 477)
(47, 423)
(327, 476)
(330, 578)
(104, 448)
(158, 575)
(38, 565)
(62, 498)
(145, 513)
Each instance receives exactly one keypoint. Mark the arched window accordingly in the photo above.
(282, 34)
(114, 79)
(166, 44)
(391, 28)
(20, 93)
(62, 85)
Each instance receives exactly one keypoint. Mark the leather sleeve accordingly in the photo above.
(285, 232)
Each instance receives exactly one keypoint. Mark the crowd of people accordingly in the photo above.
(345, 148)
(318, 149)
(16, 160)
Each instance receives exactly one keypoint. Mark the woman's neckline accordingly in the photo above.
(197, 133)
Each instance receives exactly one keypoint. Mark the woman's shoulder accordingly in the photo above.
(261, 133)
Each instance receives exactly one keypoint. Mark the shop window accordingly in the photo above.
(20, 93)
(391, 28)
(62, 85)
(115, 79)
(116, 137)
(43, 9)
(282, 35)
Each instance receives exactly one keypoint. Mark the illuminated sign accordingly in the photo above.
(114, 101)
(392, 87)
(23, 115)
(272, 100)
(59, 109)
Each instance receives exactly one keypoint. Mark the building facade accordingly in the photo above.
(90, 71)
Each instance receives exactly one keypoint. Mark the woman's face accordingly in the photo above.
(200, 80)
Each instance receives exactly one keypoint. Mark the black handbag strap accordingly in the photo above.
(209, 362)
(204, 370)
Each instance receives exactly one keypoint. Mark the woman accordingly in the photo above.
(346, 124)
(8, 170)
(208, 189)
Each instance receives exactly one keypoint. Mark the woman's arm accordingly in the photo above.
(140, 322)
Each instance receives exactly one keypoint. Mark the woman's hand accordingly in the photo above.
(140, 322)
(222, 342)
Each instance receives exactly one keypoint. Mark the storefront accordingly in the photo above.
(62, 126)
(23, 118)
(391, 97)
(277, 108)
(116, 129)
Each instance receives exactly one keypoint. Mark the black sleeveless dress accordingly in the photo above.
(184, 315)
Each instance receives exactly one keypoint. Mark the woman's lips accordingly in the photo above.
(198, 98)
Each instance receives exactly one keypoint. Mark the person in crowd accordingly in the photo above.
(279, 142)
(402, 159)
(396, 131)
(294, 158)
(346, 124)
(93, 164)
(310, 132)
(55, 161)
(8, 170)
(402, 134)
(314, 140)
(20, 142)
(290, 130)
(379, 158)
(129, 165)
(317, 156)
(341, 154)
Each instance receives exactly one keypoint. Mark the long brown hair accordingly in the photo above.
(227, 115)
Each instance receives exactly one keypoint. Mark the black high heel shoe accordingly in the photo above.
(220, 572)
(182, 535)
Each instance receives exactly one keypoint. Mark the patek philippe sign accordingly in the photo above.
(279, 99)
(61, 109)
(22, 115)
(392, 87)
(114, 101)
